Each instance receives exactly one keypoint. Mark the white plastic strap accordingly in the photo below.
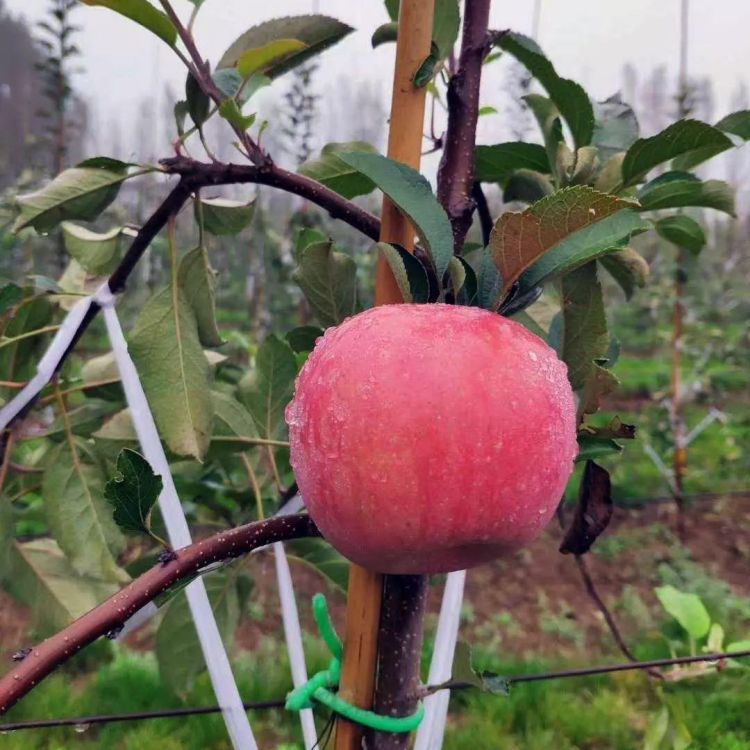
(432, 729)
(214, 653)
(48, 363)
(293, 635)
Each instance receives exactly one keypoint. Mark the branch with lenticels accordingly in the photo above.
(37, 663)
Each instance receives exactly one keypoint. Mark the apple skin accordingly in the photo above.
(430, 438)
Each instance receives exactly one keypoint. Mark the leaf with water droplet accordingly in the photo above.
(133, 491)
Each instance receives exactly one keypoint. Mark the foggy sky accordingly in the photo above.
(588, 40)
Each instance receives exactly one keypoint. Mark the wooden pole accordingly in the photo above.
(406, 130)
(404, 145)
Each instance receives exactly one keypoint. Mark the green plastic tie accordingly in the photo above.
(318, 687)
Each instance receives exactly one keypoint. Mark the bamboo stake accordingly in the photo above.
(404, 145)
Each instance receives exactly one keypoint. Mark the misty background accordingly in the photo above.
(127, 80)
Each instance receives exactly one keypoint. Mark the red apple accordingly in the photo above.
(431, 438)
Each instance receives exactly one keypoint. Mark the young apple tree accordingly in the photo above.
(426, 437)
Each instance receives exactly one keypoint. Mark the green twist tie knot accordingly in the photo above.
(318, 687)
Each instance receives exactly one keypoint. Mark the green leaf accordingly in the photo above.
(568, 96)
(78, 516)
(585, 340)
(264, 59)
(197, 282)
(589, 243)
(527, 186)
(106, 162)
(331, 171)
(7, 534)
(682, 231)
(497, 163)
(657, 730)
(232, 86)
(520, 239)
(387, 32)
(133, 491)
(412, 194)
(98, 253)
(687, 609)
(308, 236)
(548, 117)
(738, 646)
(457, 275)
(468, 292)
(427, 68)
(18, 359)
(328, 280)
(180, 115)
(410, 274)
(592, 448)
(222, 216)
(616, 127)
(489, 283)
(319, 555)
(303, 338)
(118, 427)
(77, 193)
(678, 189)
(445, 24)
(715, 640)
(178, 651)
(271, 386)
(584, 167)
(231, 112)
(609, 178)
(174, 371)
(463, 671)
(628, 268)
(10, 295)
(198, 103)
(316, 32)
(233, 424)
(144, 14)
(736, 123)
(42, 577)
(688, 138)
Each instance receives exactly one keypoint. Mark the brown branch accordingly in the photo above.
(201, 71)
(112, 614)
(201, 175)
(456, 172)
(614, 629)
(591, 590)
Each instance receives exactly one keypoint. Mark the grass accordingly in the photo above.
(595, 713)
(131, 683)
